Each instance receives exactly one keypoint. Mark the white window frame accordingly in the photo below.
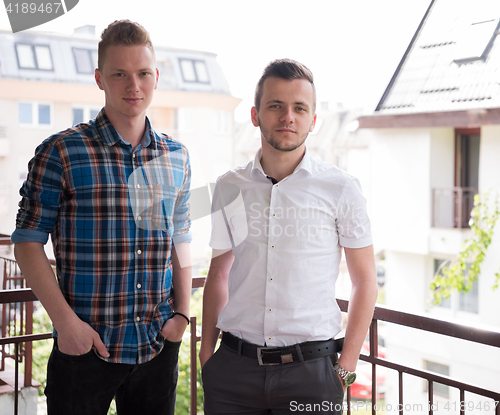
(194, 71)
(92, 59)
(453, 303)
(87, 109)
(38, 55)
(35, 110)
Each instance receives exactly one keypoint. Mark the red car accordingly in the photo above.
(362, 388)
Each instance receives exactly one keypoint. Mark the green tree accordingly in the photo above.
(42, 348)
(465, 269)
(183, 401)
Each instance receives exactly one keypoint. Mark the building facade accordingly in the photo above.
(47, 84)
(435, 144)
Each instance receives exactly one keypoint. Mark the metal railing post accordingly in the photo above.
(194, 367)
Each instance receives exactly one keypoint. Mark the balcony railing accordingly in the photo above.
(451, 207)
(384, 314)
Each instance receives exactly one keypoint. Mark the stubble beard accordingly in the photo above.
(277, 144)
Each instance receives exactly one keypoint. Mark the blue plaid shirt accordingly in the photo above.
(113, 214)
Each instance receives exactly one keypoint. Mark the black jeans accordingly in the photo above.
(86, 385)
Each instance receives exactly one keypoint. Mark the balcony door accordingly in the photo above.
(467, 143)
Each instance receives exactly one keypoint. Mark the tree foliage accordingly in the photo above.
(460, 274)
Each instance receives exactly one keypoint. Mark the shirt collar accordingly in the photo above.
(305, 164)
(110, 136)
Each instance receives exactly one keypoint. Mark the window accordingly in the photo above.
(223, 122)
(463, 301)
(194, 71)
(477, 41)
(25, 113)
(469, 301)
(84, 113)
(438, 266)
(85, 60)
(34, 114)
(439, 389)
(34, 57)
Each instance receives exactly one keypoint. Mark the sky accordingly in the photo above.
(352, 46)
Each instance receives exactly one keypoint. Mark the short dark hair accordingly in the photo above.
(122, 32)
(287, 69)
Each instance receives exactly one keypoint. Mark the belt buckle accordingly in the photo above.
(259, 356)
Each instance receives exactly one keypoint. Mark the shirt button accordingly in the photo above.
(133, 156)
(276, 185)
(137, 319)
(269, 338)
(271, 279)
(272, 246)
(138, 186)
(270, 310)
(139, 252)
(139, 217)
(139, 286)
(274, 215)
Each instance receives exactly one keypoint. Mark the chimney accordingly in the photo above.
(85, 30)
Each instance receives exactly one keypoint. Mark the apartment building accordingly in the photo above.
(47, 84)
(434, 144)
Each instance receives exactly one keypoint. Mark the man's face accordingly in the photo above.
(128, 78)
(286, 115)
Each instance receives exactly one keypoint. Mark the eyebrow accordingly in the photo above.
(277, 101)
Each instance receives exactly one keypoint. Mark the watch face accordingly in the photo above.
(351, 377)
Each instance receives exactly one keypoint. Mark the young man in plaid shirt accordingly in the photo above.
(113, 195)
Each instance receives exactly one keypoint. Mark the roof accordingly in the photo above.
(51, 57)
(452, 62)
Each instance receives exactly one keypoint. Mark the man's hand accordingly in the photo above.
(204, 356)
(174, 329)
(79, 338)
(342, 382)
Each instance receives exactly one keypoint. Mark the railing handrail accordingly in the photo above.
(381, 313)
(433, 325)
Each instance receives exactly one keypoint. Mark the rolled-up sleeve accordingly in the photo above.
(40, 196)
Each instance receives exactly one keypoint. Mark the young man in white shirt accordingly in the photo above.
(277, 249)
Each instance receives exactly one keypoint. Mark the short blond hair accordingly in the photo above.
(122, 32)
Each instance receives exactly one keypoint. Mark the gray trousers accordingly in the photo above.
(237, 385)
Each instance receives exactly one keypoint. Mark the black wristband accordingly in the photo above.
(183, 315)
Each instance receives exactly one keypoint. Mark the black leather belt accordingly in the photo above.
(281, 355)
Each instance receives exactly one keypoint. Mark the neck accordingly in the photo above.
(280, 164)
(130, 129)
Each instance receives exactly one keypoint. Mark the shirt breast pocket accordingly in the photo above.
(155, 207)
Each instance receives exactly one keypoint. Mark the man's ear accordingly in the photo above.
(157, 77)
(97, 75)
(255, 117)
(313, 124)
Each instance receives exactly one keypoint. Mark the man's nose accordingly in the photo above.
(133, 83)
(287, 115)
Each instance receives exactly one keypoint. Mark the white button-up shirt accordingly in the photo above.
(286, 239)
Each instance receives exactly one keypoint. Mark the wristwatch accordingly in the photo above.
(347, 377)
